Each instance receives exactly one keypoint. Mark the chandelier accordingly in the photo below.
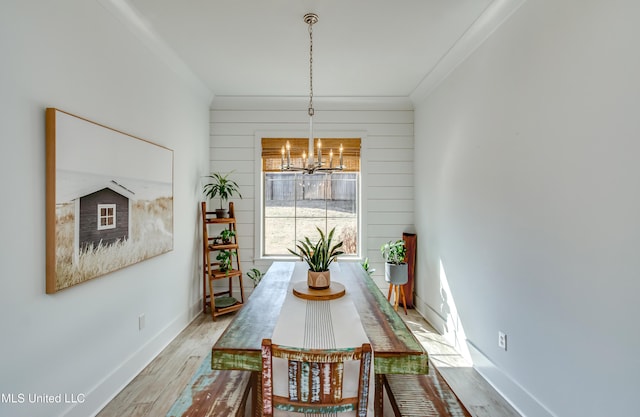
(314, 164)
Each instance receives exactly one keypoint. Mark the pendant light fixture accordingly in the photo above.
(313, 163)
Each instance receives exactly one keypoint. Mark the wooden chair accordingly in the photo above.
(315, 380)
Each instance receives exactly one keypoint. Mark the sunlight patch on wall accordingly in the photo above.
(453, 329)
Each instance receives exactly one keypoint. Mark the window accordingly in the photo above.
(106, 216)
(295, 203)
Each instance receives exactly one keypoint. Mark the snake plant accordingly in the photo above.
(318, 255)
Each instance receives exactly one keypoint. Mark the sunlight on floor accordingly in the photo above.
(441, 351)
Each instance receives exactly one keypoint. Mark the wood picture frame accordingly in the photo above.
(109, 200)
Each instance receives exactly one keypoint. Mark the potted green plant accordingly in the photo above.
(225, 258)
(318, 256)
(395, 268)
(224, 188)
(226, 236)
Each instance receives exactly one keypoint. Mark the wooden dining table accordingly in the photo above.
(395, 349)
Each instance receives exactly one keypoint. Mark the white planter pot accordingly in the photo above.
(319, 280)
(396, 274)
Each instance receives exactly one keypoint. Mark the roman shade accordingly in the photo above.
(272, 152)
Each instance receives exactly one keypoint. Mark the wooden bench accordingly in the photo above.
(214, 393)
(423, 396)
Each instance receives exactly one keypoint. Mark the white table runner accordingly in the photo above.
(319, 325)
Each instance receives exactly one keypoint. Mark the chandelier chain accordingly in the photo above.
(312, 164)
(311, 111)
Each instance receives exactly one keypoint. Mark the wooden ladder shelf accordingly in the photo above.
(224, 301)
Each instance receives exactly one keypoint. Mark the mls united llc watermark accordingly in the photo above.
(32, 398)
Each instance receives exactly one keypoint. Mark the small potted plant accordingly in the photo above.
(225, 257)
(318, 256)
(226, 236)
(395, 268)
(224, 188)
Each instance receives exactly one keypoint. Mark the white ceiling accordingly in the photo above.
(362, 48)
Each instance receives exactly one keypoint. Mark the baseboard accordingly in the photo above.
(103, 392)
(519, 398)
(430, 315)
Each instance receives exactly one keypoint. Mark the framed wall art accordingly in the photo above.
(109, 201)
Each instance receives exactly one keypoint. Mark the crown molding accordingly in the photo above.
(131, 18)
(496, 13)
(320, 103)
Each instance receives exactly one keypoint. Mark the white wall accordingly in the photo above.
(528, 197)
(77, 56)
(387, 158)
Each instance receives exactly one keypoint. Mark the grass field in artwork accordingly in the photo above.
(151, 235)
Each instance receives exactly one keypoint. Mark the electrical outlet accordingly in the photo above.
(141, 322)
(502, 340)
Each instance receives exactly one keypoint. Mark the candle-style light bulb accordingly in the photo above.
(288, 155)
(331, 158)
(282, 158)
(319, 153)
(340, 155)
(304, 155)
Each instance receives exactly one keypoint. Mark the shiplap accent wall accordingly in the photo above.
(386, 127)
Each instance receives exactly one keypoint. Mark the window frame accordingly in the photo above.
(259, 190)
(111, 206)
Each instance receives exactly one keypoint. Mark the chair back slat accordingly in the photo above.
(315, 383)
(267, 380)
(315, 379)
(363, 388)
(294, 376)
(337, 375)
(302, 383)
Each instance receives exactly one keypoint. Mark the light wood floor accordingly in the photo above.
(154, 390)
(480, 398)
